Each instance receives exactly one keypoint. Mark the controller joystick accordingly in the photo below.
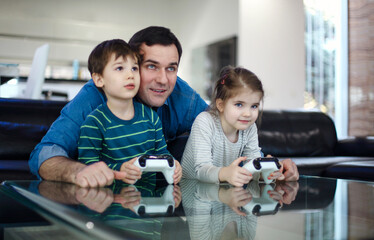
(262, 167)
(157, 163)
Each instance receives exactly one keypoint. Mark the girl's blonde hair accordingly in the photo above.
(231, 81)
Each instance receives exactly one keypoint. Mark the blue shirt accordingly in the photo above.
(177, 115)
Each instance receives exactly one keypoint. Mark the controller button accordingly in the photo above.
(256, 164)
(142, 162)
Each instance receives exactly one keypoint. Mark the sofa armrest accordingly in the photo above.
(358, 146)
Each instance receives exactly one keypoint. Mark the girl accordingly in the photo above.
(226, 135)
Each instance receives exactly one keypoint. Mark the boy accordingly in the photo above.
(121, 129)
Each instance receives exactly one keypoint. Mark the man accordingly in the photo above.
(176, 103)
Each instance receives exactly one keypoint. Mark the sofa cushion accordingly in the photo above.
(297, 133)
(19, 139)
(358, 170)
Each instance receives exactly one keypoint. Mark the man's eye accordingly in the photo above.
(171, 69)
(151, 66)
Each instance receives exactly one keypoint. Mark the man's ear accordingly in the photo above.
(219, 104)
(98, 80)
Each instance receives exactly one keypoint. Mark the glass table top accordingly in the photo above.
(311, 208)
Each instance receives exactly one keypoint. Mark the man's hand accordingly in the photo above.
(97, 199)
(177, 172)
(94, 175)
(234, 174)
(63, 169)
(289, 171)
(132, 172)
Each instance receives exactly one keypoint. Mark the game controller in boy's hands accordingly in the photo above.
(157, 205)
(157, 163)
(263, 166)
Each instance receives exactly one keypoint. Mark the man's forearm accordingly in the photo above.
(60, 169)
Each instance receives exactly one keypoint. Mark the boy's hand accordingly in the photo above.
(177, 172)
(133, 173)
(234, 174)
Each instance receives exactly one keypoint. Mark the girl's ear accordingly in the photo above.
(219, 104)
(98, 80)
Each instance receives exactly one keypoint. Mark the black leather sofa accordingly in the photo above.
(309, 138)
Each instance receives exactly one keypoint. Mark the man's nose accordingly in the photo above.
(161, 76)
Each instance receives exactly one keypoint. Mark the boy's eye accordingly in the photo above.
(119, 68)
(254, 106)
(134, 69)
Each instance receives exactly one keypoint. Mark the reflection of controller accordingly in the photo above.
(264, 166)
(157, 163)
(262, 203)
(157, 205)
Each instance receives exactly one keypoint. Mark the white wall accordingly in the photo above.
(271, 44)
(270, 33)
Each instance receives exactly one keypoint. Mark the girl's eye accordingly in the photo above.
(134, 69)
(255, 106)
(238, 104)
(119, 68)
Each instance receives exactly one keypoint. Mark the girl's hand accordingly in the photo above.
(133, 173)
(234, 174)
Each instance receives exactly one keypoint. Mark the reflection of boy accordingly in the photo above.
(122, 129)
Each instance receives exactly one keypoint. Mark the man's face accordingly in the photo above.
(158, 73)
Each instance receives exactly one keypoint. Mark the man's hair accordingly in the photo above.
(101, 54)
(155, 35)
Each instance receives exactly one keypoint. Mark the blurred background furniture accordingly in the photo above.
(309, 138)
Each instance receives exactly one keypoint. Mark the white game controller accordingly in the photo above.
(262, 166)
(261, 203)
(157, 163)
(157, 205)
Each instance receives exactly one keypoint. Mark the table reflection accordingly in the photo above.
(226, 212)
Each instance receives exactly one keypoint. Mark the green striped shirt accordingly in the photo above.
(105, 137)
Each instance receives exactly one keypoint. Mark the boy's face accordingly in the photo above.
(158, 72)
(120, 78)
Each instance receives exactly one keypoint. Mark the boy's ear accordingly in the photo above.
(98, 80)
(219, 104)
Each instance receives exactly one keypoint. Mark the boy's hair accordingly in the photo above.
(101, 54)
(155, 35)
(231, 81)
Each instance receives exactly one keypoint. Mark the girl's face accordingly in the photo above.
(239, 112)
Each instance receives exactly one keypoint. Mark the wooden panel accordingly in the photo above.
(361, 67)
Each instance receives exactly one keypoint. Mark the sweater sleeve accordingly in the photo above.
(197, 162)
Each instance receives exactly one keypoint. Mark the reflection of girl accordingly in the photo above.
(209, 218)
(227, 135)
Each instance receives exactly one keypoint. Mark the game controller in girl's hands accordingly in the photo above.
(157, 163)
(263, 167)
